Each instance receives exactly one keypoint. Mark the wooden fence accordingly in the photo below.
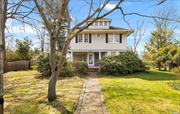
(18, 65)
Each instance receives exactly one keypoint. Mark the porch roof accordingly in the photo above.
(111, 29)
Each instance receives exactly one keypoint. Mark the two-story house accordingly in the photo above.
(98, 41)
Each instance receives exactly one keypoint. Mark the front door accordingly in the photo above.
(90, 59)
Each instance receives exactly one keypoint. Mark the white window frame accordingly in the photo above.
(110, 39)
(105, 23)
(101, 23)
(116, 38)
(86, 39)
(96, 23)
(80, 38)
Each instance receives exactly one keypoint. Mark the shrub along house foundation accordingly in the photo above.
(98, 41)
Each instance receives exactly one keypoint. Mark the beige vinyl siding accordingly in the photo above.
(100, 44)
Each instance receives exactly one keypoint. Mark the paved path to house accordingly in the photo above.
(91, 100)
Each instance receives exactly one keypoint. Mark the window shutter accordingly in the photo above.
(89, 38)
(76, 40)
(120, 38)
(106, 38)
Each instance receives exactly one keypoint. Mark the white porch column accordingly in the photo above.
(71, 55)
(100, 55)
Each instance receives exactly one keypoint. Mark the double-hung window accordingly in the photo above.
(105, 23)
(80, 39)
(100, 23)
(117, 38)
(110, 38)
(86, 38)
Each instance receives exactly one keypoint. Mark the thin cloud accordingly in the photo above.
(109, 6)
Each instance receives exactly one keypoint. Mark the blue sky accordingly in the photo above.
(79, 10)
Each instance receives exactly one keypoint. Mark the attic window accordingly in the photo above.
(101, 23)
(105, 23)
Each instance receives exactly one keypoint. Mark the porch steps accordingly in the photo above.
(93, 69)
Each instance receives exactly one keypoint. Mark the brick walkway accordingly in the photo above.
(91, 100)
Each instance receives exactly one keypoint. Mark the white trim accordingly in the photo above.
(71, 55)
(100, 57)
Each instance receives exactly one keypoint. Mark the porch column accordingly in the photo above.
(71, 55)
(100, 55)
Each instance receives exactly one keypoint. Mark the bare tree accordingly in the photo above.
(139, 31)
(41, 34)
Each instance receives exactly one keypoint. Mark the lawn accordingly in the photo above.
(25, 92)
(154, 92)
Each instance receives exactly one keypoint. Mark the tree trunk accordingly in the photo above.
(3, 11)
(52, 87)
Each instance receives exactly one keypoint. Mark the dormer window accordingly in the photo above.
(105, 23)
(100, 23)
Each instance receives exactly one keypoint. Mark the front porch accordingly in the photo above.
(91, 58)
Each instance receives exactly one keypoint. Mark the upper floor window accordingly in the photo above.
(86, 38)
(110, 38)
(113, 38)
(96, 23)
(80, 39)
(117, 38)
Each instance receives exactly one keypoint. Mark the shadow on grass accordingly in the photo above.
(60, 107)
(41, 77)
(151, 75)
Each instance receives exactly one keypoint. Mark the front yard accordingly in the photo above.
(155, 92)
(26, 93)
(142, 93)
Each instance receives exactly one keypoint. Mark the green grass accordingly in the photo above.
(25, 92)
(142, 93)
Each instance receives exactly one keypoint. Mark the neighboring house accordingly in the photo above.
(98, 41)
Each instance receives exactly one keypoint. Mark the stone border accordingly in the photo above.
(80, 101)
(104, 108)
